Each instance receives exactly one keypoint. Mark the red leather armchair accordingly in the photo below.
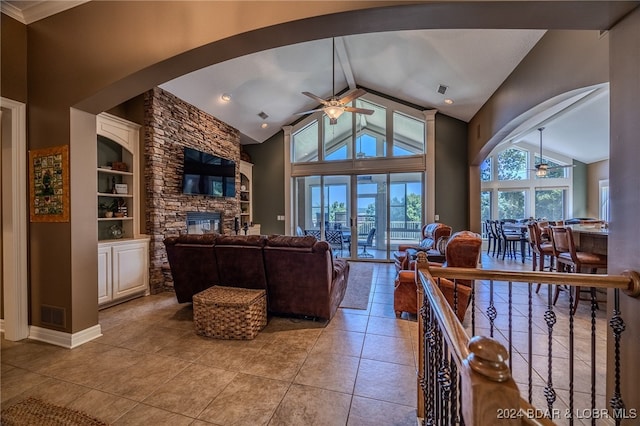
(431, 233)
(463, 251)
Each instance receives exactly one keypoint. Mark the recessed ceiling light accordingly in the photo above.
(448, 101)
(264, 125)
(225, 97)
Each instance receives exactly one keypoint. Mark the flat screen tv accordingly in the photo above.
(208, 174)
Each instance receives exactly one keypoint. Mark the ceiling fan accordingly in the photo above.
(334, 106)
(543, 167)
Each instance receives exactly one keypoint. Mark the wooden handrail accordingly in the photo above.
(628, 281)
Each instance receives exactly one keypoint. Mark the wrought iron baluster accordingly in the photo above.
(455, 393)
(473, 308)
(436, 369)
(530, 355)
(594, 307)
(550, 319)
(424, 315)
(571, 351)
(491, 310)
(444, 381)
(510, 314)
(617, 325)
(429, 390)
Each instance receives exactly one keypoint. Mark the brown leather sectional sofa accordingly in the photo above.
(300, 274)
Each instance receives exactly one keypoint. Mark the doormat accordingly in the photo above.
(33, 411)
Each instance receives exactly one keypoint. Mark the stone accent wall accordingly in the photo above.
(171, 124)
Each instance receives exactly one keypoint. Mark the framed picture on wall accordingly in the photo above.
(49, 184)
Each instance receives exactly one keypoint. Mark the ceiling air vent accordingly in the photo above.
(263, 115)
(442, 89)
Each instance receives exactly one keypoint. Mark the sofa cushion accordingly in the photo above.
(241, 240)
(291, 241)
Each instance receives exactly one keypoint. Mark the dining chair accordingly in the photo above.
(366, 243)
(510, 240)
(314, 233)
(569, 259)
(334, 238)
(540, 250)
(491, 240)
(497, 238)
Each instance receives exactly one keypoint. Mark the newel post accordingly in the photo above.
(489, 394)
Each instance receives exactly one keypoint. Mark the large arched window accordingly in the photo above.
(365, 174)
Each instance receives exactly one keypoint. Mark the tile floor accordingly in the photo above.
(150, 367)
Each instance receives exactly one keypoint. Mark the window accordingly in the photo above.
(370, 131)
(485, 170)
(512, 164)
(305, 144)
(511, 204)
(485, 205)
(408, 135)
(552, 173)
(550, 204)
(604, 200)
(337, 138)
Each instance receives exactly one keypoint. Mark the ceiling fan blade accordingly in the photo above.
(356, 93)
(308, 112)
(316, 98)
(566, 166)
(359, 110)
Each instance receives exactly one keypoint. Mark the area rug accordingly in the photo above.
(33, 411)
(358, 286)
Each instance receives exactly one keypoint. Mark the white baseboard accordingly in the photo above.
(65, 340)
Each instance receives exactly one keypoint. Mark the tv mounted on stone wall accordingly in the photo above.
(208, 174)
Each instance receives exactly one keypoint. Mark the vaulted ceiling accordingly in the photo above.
(408, 65)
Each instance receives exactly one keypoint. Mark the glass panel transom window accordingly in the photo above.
(305, 144)
(512, 164)
(551, 173)
(408, 135)
(337, 138)
(371, 131)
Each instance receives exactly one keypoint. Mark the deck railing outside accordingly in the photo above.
(546, 349)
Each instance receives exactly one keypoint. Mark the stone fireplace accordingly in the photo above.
(171, 125)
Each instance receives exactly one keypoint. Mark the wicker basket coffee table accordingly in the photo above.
(230, 312)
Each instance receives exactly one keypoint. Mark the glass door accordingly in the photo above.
(384, 211)
(370, 223)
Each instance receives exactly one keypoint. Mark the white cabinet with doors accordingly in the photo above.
(123, 270)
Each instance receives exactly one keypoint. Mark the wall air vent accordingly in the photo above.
(52, 315)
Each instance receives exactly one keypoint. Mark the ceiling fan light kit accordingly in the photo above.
(543, 168)
(335, 107)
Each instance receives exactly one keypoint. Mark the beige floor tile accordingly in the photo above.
(141, 380)
(329, 371)
(339, 342)
(103, 406)
(276, 361)
(383, 310)
(16, 381)
(388, 349)
(372, 412)
(387, 382)
(154, 339)
(387, 327)
(247, 400)
(191, 391)
(54, 391)
(348, 321)
(143, 414)
(305, 405)
(230, 355)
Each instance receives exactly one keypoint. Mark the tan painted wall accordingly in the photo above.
(595, 173)
(13, 57)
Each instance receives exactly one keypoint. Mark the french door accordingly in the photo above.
(373, 212)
